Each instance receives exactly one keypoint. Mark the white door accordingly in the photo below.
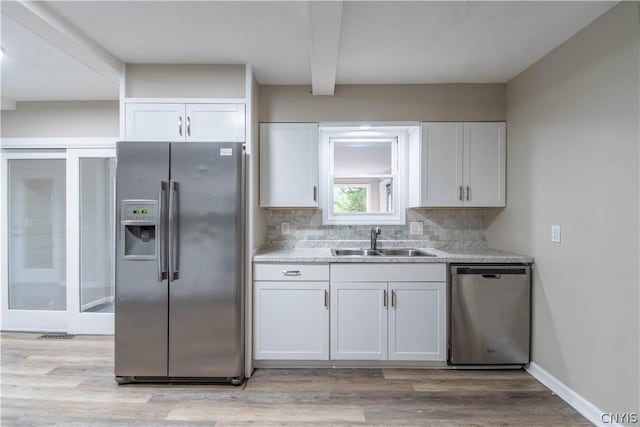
(359, 320)
(155, 122)
(288, 164)
(215, 122)
(91, 248)
(442, 146)
(417, 321)
(34, 243)
(291, 320)
(484, 164)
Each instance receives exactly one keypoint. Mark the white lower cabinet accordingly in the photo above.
(374, 317)
(358, 321)
(291, 320)
(368, 312)
(417, 321)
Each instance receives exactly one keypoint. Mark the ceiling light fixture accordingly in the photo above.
(365, 127)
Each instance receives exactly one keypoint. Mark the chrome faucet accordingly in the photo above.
(375, 232)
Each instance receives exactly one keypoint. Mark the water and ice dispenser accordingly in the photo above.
(139, 222)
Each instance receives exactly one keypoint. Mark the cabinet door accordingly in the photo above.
(289, 164)
(484, 164)
(155, 122)
(441, 180)
(417, 321)
(358, 321)
(291, 320)
(215, 122)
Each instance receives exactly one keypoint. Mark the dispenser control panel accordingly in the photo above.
(139, 211)
(138, 230)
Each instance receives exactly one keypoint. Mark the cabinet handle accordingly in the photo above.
(291, 272)
(315, 193)
(180, 125)
(326, 298)
(393, 298)
(461, 193)
(384, 297)
(188, 126)
(468, 193)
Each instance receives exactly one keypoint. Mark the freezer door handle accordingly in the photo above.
(161, 248)
(174, 258)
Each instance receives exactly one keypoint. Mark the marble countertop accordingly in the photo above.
(323, 255)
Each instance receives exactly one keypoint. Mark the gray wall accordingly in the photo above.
(436, 102)
(573, 138)
(61, 119)
(185, 81)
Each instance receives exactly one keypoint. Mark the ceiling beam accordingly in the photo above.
(325, 18)
(38, 18)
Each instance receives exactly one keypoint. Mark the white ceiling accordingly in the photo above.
(33, 70)
(380, 42)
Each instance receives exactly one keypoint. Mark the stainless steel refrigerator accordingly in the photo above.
(179, 268)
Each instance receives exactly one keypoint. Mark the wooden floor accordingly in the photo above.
(70, 383)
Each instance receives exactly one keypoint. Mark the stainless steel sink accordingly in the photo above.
(404, 252)
(382, 252)
(354, 252)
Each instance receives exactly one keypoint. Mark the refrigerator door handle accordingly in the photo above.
(161, 249)
(173, 230)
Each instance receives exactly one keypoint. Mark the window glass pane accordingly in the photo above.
(97, 179)
(37, 234)
(362, 158)
(362, 195)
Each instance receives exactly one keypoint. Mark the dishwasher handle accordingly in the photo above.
(491, 271)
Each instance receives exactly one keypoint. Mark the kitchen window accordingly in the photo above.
(363, 175)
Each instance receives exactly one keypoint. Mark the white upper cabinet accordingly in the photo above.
(289, 165)
(154, 122)
(215, 122)
(484, 164)
(437, 161)
(458, 164)
(185, 122)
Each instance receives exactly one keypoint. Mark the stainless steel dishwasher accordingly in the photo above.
(489, 308)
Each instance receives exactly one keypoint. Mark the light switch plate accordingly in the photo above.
(555, 233)
(284, 228)
(415, 228)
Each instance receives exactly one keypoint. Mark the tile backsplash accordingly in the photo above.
(453, 228)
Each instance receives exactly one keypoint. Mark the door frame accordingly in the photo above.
(26, 320)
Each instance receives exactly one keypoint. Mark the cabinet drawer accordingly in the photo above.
(391, 272)
(285, 272)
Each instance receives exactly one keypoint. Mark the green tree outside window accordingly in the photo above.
(349, 199)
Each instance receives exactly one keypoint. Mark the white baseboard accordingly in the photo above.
(590, 411)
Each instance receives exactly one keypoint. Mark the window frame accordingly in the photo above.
(330, 133)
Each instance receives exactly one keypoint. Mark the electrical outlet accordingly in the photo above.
(415, 228)
(555, 233)
(284, 228)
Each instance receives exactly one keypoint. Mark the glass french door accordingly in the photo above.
(34, 246)
(91, 216)
(57, 265)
